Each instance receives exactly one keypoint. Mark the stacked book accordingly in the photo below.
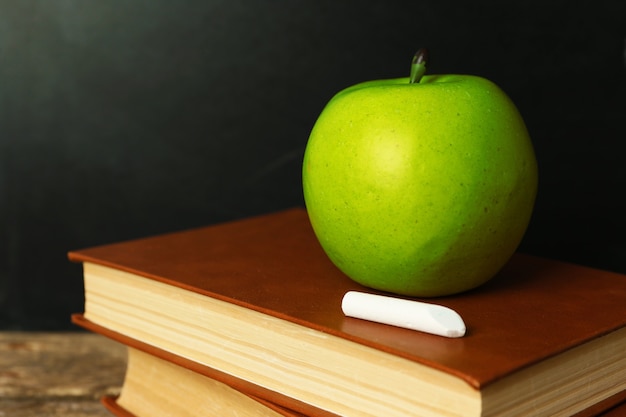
(244, 319)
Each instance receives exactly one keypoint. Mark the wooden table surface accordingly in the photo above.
(58, 374)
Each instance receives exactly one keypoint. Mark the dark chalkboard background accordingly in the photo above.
(120, 119)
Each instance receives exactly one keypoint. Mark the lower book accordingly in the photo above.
(156, 387)
(159, 383)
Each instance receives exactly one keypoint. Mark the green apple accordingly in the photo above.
(421, 186)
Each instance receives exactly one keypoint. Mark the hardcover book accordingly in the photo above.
(258, 301)
(156, 387)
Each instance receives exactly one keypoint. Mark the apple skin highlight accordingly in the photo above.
(421, 189)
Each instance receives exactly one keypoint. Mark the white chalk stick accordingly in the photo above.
(414, 315)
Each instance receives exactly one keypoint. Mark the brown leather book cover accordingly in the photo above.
(617, 411)
(533, 309)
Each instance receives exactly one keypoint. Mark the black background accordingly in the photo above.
(120, 119)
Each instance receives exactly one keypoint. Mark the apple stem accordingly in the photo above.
(418, 65)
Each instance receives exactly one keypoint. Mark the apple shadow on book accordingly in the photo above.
(516, 275)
